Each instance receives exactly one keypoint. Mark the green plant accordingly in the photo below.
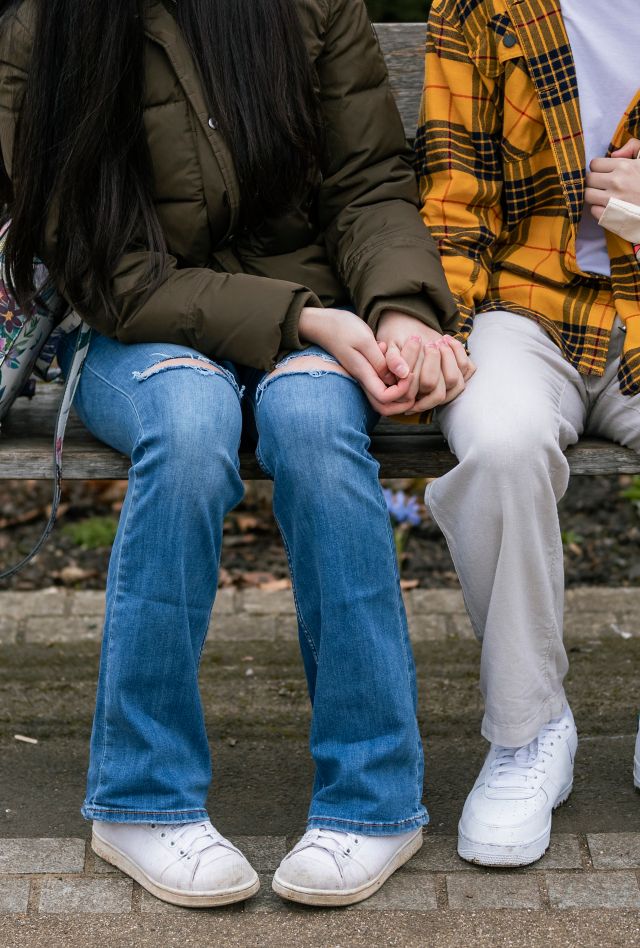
(632, 492)
(92, 533)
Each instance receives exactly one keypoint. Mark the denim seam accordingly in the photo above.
(405, 648)
(418, 818)
(123, 810)
(108, 620)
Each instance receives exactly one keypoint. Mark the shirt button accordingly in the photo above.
(213, 124)
(510, 40)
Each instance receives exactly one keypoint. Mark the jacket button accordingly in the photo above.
(212, 124)
(510, 40)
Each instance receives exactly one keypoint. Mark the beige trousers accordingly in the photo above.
(497, 508)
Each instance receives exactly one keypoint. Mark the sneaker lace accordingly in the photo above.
(337, 845)
(194, 840)
(520, 768)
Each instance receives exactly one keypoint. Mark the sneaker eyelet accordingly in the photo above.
(172, 843)
(163, 835)
(153, 826)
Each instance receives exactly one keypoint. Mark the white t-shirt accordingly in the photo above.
(605, 40)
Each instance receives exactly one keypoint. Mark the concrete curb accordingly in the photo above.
(53, 615)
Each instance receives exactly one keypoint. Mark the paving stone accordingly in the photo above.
(242, 628)
(266, 900)
(427, 628)
(474, 891)
(403, 892)
(38, 602)
(8, 629)
(603, 599)
(593, 890)
(226, 603)
(150, 905)
(286, 628)
(103, 868)
(14, 896)
(263, 602)
(460, 627)
(86, 896)
(435, 600)
(439, 854)
(265, 853)
(88, 602)
(41, 855)
(615, 850)
(563, 853)
(589, 625)
(41, 629)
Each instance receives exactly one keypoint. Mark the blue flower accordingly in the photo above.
(402, 508)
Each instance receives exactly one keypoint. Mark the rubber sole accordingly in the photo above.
(332, 897)
(524, 854)
(117, 858)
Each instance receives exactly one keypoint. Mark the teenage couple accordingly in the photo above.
(223, 190)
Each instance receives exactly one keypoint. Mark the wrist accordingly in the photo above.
(311, 322)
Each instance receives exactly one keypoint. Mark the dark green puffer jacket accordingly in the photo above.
(238, 295)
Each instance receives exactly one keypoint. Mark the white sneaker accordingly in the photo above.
(331, 868)
(636, 762)
(506, 820)
(188, 864)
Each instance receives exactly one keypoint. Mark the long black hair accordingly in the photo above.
(81, 157)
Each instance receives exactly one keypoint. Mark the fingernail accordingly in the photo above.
(414, 339)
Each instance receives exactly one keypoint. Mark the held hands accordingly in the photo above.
(615, 177)
(411, 368)
(438, 365)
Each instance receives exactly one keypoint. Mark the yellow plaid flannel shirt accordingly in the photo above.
(502, 163)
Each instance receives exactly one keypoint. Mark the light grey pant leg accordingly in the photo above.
(497, 509)
(614, 415)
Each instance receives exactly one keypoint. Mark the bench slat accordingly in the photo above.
(403, 47)
(403, 451)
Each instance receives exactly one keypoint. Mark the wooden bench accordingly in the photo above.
(403, 451)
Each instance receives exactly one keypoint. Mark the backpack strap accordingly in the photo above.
(68, 394)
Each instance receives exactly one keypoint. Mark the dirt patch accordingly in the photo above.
(601, 530)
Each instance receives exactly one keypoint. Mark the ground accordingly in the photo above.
(585, 893)
(601, 530)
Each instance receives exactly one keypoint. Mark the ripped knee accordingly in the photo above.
(200, 365)
(315, 366)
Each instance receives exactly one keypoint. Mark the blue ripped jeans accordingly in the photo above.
(181, 428)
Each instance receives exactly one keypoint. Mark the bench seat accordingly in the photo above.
(403, 451)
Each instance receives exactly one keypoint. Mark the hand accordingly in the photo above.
(441, 367)
(615, 177)
(349, 339)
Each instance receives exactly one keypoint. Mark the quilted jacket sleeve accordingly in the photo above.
(459, 162)
(243, 318)
(369, 197)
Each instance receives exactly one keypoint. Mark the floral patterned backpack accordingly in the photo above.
(28, 343)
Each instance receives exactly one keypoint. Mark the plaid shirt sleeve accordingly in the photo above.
(459, 161)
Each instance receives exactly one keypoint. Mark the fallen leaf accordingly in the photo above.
(74, 574)
(409, 583)
(275, 585)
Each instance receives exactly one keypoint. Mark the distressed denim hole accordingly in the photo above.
(200, 365)
(315, 366)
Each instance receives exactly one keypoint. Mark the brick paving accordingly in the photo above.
(590, 878)
(62, 616)
(48, 877)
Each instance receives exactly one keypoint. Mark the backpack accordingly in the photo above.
(28, 343)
